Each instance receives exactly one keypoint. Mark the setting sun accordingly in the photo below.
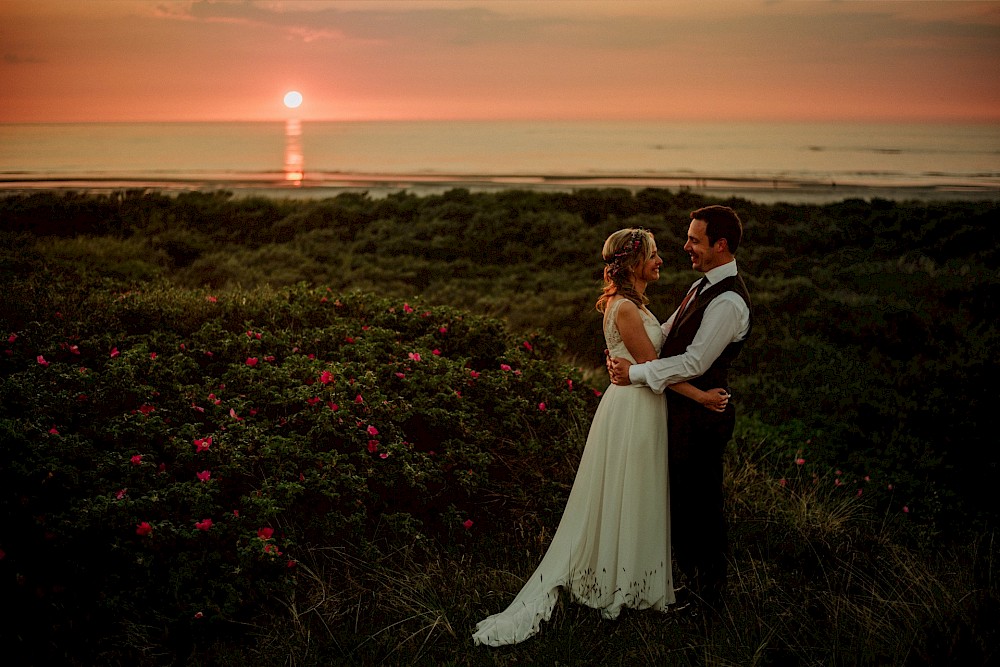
(293, 99)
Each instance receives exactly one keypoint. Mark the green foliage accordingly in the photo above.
(332, 421)
(875, 336)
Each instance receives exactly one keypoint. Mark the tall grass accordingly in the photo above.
(816, 578)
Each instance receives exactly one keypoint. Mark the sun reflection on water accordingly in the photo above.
(294, 167)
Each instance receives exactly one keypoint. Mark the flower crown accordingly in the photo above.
(634, 244)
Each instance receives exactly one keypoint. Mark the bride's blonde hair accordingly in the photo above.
(623, 253)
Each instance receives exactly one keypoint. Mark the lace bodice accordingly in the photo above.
(613, 338)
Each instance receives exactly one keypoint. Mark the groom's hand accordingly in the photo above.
(618, 369)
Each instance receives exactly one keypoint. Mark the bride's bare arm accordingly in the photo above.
(633, 333)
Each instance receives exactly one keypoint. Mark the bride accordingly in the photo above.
(612, 546)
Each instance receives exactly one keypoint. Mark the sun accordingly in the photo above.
(293, 99)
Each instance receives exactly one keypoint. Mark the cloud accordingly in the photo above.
(17, 59)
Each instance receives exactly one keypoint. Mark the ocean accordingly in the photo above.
(767, 162)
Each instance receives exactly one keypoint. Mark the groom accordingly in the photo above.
(702, 338)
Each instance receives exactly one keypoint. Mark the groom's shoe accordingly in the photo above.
(682, 599)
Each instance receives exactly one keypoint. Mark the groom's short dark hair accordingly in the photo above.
(721, 222)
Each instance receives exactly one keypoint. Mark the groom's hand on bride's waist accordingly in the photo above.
(618, 369)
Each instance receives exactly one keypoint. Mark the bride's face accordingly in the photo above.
(649, 270)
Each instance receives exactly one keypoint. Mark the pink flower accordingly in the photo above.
(146, 409)
(136, 460)
(837, 482)
(527, 346)
(211, 299)
(326, 377)
(372, 431)
(114, 352)
(121, 494)
(890, 487)
(152, 355)
(407, 308)
(41, 360)
(504, 367)
(401, 375)
(473, 374)
(204, 524)
(75, 349)
(598, 393)
(202, 444)
(199, 615)
(836, 472)
(372, 446)
(314, 400)
(906, 509)
(349, 340)
(383, 455)
(53, 431)
(11, 338)
(799, 461)
(467, 524)
(291, 563)
(569, 384)
(359, 399)
(414, 356)
(252, 361)
(782, 481)
(436, 352)
(541, 406)
(442, 330)
(860, 491)
(142, 529)
(204, 475)
(265, 533)
(232, 413)
(867, 478)
(333, 406)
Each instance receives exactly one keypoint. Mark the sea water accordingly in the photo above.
(792, 159)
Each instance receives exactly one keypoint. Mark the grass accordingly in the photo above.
(816, 578)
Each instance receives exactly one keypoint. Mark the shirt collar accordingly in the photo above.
(721, 272)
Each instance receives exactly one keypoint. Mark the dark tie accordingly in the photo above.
(691, 297)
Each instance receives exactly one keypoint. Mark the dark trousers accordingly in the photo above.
(698, 439)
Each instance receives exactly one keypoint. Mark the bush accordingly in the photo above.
(184, 448)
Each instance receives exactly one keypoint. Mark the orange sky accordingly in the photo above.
(128, 60)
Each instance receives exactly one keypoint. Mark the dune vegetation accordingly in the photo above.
(342, 431)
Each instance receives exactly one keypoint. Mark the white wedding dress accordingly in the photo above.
(612, 546)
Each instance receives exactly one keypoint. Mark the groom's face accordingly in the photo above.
(703, 254)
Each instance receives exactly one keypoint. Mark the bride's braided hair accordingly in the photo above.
(623, 253)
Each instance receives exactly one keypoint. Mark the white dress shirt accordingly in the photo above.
(726, 320)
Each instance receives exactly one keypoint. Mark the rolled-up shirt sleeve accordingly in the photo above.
(726, 320)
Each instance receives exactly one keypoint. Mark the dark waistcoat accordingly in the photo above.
(682, 333)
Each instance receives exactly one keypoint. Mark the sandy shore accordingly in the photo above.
(768, 191)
